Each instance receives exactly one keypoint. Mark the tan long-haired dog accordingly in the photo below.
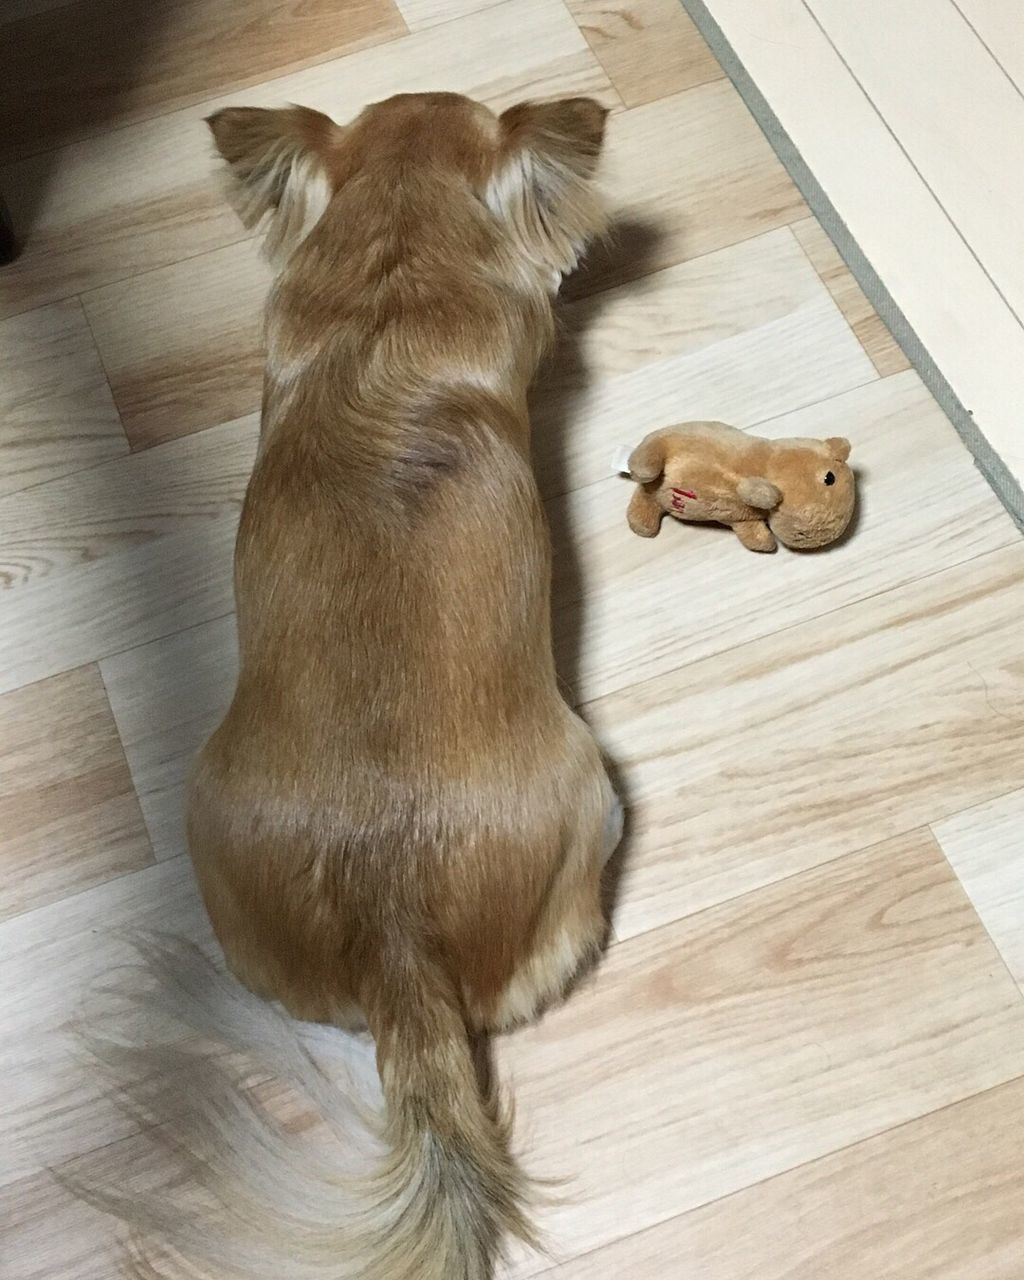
(400, 819)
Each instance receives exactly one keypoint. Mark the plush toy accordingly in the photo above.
(799, 492)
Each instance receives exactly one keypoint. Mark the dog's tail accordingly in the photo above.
(451, 1176)
(442, 1194)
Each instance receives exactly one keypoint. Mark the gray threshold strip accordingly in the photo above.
(992, 467)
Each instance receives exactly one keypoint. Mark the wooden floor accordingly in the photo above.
(804, 1055)
(910, 116)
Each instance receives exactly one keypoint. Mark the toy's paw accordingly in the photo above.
(755, 535)
(644, 514)
(645, 530)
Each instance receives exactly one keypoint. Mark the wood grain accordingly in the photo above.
(142, 550)
(650, 48)
(71, 817)
(93, 64)
(52, 1107)
(863, 319)
(985, 847)
(76, 521)
(47, 1232)
(685, 176)
(752, 1038)
(182, 345)
(803, 745)
(147, 196)
(939, 1197)
(56, 410)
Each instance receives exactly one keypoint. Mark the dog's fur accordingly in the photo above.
(400, 819)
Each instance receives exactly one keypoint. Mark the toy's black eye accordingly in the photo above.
(829, 478)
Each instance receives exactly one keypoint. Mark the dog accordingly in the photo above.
(400, 823)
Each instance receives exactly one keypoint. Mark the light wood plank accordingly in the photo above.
(113, 206)
(798, 747)
(92, 64)
(939, 1197)
(741, 335)
(985, 846)
(182, 345)
(167, 698)
(861, 316)
(143, 549)
(894, 218)
(650, 48)
(682, 309)
(730, 1047)
(52, 1107)
(419, 14)
(75, 521)
(49, 1233)
(56, 410)
(71, 817)
(685, 176)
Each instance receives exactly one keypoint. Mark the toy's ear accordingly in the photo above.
(759, 493)
(838, 447)
(647, 461)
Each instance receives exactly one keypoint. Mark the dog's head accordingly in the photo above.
(531, 166)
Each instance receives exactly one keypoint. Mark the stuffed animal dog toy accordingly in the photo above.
(797, 492)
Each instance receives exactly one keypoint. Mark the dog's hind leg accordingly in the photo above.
(573, 927)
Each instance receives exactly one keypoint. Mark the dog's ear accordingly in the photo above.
(541, 185)
(278, 163)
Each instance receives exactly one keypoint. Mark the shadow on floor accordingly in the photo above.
(67, 72)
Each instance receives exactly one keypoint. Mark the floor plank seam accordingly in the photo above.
(781, 1173)
(758, 640)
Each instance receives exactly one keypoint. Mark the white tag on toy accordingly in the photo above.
(620, 462)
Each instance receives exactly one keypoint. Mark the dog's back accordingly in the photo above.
(400, 819)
